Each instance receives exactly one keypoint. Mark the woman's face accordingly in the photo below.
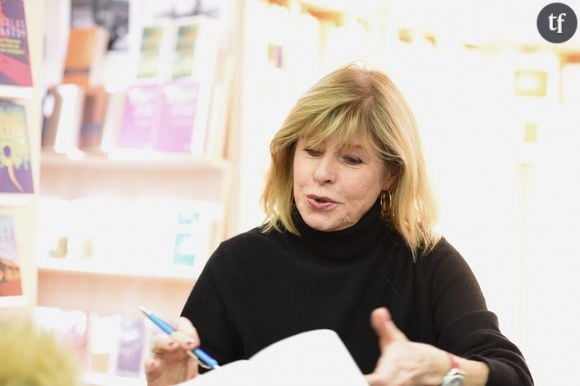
(335, 186)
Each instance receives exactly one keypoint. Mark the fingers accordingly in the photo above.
(373, 379)
(185, 337)
(186, 334)
(152, 367)
(162, 344)
(385, 328)
(172, 361)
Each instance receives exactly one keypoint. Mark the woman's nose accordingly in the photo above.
(325, 171)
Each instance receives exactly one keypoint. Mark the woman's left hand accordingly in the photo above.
(402, 362)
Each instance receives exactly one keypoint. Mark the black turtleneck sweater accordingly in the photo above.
(258, 288)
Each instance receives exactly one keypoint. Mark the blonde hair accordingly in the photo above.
(354, 101)
(33, 357)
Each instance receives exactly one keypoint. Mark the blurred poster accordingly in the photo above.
(112, 15)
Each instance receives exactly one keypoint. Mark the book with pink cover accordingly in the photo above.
(130, 346)
(141, 117)
(178, 114)
(312, 358)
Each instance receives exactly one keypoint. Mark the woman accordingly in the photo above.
(349, 234)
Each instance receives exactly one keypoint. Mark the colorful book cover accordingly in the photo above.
(131, 345)
(10, 277)
(178, 115)
(152, 50)
(85, 55)
(14, 54)
(141, 117)
(15, 164)
(184, 50)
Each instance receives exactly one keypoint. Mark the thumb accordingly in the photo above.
(385, 328)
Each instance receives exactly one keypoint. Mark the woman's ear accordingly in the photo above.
(391, 175)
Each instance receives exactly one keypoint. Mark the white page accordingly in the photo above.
(310, 358)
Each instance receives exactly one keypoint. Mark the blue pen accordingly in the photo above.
(206, 360)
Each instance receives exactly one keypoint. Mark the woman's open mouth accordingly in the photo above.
(320, 202)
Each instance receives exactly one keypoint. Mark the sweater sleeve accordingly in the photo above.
(205, 308)
(462, 321)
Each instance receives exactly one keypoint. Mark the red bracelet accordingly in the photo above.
(454, 361)
(455, 364)
(455, 375)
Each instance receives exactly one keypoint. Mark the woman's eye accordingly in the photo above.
(352, 160)
(313, 152)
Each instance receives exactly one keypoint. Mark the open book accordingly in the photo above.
(316, 357)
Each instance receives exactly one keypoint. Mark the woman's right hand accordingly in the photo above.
(170, 362)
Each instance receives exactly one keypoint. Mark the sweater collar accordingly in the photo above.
(345, 244)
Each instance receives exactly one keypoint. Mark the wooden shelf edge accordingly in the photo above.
(132, 161)
(95, 269)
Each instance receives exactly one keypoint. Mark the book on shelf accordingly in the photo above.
(51, 109)
(141, 117)
(195, 45)
(193, 234)
(316, 357)
(94, 113)
(85, 55)
(163, 117)
(15, 163)
(131, 345)
(15, 70)
(113, 120)
(154, 50)
(176, 66)
(62, 117)
(10, 274)
(179, 109)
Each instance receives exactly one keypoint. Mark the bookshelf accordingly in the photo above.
(109, 219)
(118, 280)
(22, 207)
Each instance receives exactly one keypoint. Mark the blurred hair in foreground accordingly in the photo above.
(30, 356)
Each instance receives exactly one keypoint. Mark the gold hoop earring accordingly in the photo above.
(386, 201)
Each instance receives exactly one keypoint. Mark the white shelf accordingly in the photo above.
(94, 267)
(15, 92)
(131, 160)
(13, 301)
(16, 199)
(96, 379)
